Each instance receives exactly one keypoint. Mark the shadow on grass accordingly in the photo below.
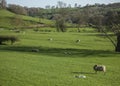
(83, 72)
(59, 52)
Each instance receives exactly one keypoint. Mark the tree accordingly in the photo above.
(17, 9)
(112, 22)
(60, 17)
(33, 11)
(69, 6)
(96, 21)
(75, 5)
(60, 23)
(108, 22)
(3, 4)
(61, 4)
(47, 6)
(80, 19)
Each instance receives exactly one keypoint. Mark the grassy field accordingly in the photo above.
(6, 19)
(58, 61)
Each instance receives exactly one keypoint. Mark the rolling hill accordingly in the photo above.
(7, 20)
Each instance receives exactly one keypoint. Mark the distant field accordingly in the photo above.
(59, 60)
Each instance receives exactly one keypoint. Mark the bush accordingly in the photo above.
(13, 39)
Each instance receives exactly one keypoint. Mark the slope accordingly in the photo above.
(7, 20)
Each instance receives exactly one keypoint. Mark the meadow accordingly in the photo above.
(58, 61)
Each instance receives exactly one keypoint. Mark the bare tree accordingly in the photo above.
(75, 5)
(17, 9)
(112, 22)
(60, 23)
(109, 22)
(61, 4)
(3, 4)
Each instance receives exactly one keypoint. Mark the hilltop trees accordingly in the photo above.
(3, 4)
(17, 9)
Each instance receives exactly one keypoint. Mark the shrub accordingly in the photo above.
(13, 39)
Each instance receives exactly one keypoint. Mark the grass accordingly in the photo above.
(58, 61)
(6, 17)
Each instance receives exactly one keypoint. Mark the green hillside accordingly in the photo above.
(6, 20)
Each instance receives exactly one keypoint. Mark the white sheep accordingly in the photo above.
(99, 68)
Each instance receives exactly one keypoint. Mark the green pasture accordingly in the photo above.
(6, 20)
(59, 60)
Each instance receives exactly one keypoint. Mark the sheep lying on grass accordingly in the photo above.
(99, 68)
(77, 41)
(50, 39)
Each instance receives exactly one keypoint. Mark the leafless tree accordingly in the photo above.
(3, 4)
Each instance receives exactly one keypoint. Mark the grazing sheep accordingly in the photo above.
(99, 68)
(35, 50)
(77, 41)
(50, 39)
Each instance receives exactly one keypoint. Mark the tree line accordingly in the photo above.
(89, 15)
